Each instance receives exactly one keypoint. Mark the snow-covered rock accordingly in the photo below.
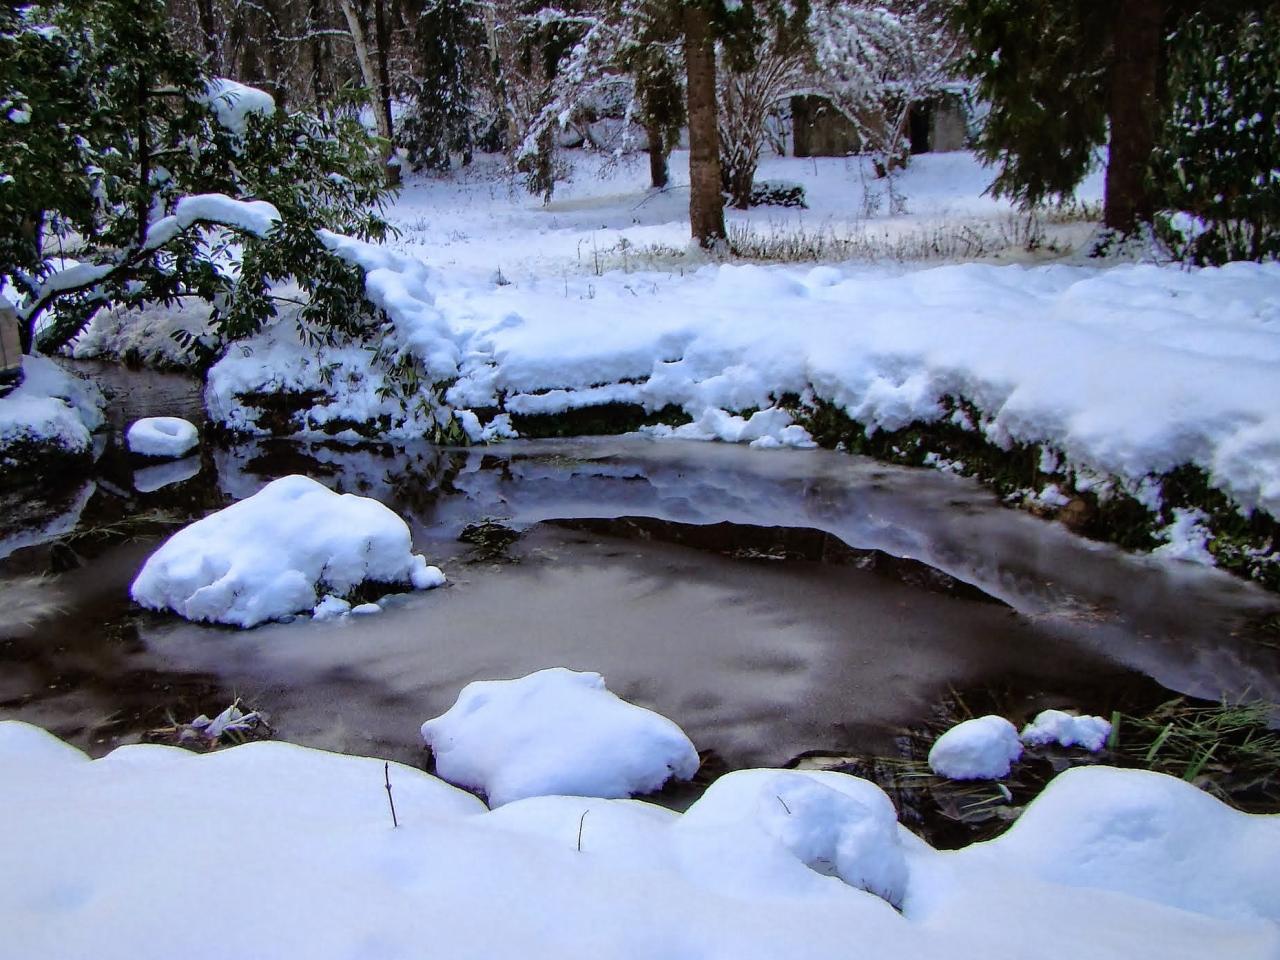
(269, 556)
(979, 749)
(51, 409)
(1067, 730)
(161, 436)
(330, 608)
(831, 822)
(555, 732)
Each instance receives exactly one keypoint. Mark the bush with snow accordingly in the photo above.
(161, 436)
(555, 732)
(270, 555)
(979, 749)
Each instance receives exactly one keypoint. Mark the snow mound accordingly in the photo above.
(1150, 836)
(555, 732)
(831, 822)
(562, 877)
(51, 408)
(266, 557)
(1067, 730)
(978, 749)
(162, 436)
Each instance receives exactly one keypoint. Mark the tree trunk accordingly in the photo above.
(370, 76)
(1134, 112)
(209, 37)
(384, 73)
(658, 172)
(706, 204)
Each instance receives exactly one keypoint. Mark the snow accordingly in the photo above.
(1186, 537)
(833, 823)
(1107, 864)
(161, 436)
(556, 731)
(147, 334)
(979, 749)
(330, 608)
(51, 407)
(267, 556)
(234, 102)
(1067, 730)
(1119, 371)
(1149, 836)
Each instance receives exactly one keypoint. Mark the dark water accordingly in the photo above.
(772, 603)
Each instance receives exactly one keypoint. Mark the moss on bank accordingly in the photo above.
(46, 463)
(1106, 510)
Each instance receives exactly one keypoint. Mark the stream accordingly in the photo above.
(772, 603)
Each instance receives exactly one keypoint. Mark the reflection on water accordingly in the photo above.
(770, 602)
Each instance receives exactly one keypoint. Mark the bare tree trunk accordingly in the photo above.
(370, 77)
(706, 204)
(384, 73)
(209, 37)
(659, 174)
(1133, 112)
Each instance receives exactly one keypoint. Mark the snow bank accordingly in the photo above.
(309, 833)
(266, 557)
(52, 408)
(977, 749)
(1067, 730)
(1149, 836)
(1127, 371)
(555, 732)
(830, 822)
(161, 436)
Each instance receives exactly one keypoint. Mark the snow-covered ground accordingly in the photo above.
(274, 851)
(1121, 372)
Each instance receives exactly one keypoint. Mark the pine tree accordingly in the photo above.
(448, 41)
(1063, 79)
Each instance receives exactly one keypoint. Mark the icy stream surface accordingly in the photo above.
(770, 602)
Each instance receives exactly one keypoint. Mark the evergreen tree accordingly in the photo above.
(448, 41)
(107, 129)
(1220, 153)
(1063, 79)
